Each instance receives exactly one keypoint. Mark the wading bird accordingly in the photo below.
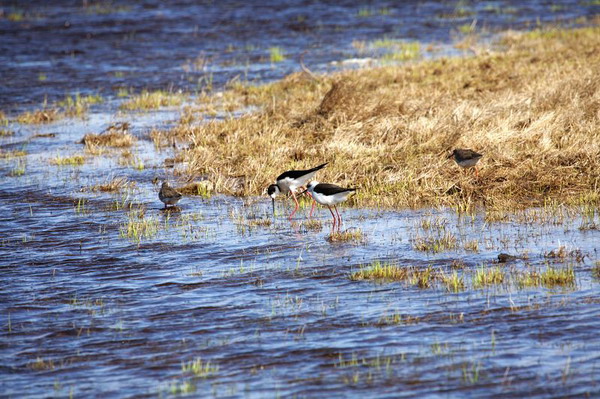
(168, 195)
(466, 158)
(289, 182)
(328, 195)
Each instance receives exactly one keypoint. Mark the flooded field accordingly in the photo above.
(106, 294)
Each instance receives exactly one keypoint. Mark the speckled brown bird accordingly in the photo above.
(168, 195)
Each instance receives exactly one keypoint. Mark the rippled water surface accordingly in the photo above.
(264, 307)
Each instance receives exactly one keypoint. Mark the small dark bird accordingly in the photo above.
(328, 195)
(466, 158)
(289, 182)
(168, 195)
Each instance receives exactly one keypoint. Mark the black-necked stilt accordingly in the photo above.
(329, 194)
(289, 182)
(466, 158)
(168, 195)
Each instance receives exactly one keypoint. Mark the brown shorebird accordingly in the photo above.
(466, 158)
(168, 195)
(289, 182)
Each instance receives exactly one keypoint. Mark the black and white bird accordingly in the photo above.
(466, 158)
(290, 182)
(168, 195)
(329, 195)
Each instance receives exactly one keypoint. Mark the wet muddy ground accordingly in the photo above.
(108, 295)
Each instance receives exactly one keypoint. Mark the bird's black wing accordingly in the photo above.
(330, 189)
(294, 174)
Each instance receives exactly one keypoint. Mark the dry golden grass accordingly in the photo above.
(116, 135)
(532, 109)
(115, 185)
(109, 139)
(46, 115)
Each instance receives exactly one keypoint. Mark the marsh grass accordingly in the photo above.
(355, 235)
(486, 276)
(74, 160)
(6, 132)
(200, 368)
(440, 243)
(550, 277)
(19, 169)
(139, 227)
(276, 54)
(380, 271)
(77, 106)
(390, 272)
(558, 277)
(596, 270)
(403, 51)
(453, 282)
(531, 108)
(149, 100)
(41, 364)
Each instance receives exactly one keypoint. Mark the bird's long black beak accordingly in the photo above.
(450, 156)
(303, 191)
(273, 201)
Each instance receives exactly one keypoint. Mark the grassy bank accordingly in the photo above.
(532, 107)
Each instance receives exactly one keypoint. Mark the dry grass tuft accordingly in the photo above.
(202, 188)
(39, 117)
(109, 139)
(11, 154)
(116, 135)
(114, 186)
(532, 109)
(313, 224)
(346, 236)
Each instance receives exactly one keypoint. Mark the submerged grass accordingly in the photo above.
(138, 227)
(532, 109)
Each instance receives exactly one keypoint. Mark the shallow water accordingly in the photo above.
(51, 49)
(88, 312)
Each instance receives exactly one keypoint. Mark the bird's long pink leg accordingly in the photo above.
(476, 172)
(297, 205)
(312, 208)
(338, 214)
(332, 215)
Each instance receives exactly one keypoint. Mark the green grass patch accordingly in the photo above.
(276, 55)
(486, 276)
